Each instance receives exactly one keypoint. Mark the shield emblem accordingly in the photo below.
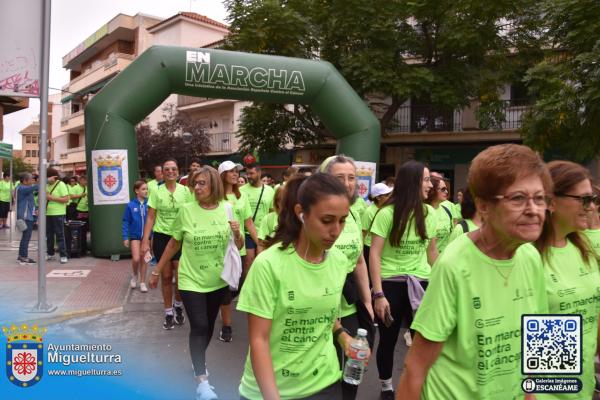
(110, 179)
(24, 365)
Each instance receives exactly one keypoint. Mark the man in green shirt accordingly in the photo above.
(80, 200)
(261, 201)
(157, 181)
(74, 191)
(56, 210)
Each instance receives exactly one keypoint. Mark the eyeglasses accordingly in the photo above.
(200, 183)
(444, 190)
(518, 201)
(585, 200)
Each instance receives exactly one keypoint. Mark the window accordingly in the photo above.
(34, 153)
(28, 139)
(27, 153)
(34, 139)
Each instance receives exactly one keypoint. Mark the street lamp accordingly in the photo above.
(187, 139)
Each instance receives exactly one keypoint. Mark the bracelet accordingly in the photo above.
(154, 273)
(377, 295)
(338, 332)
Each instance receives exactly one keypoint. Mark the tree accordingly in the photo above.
(19, 166)
(155, 146)
(445, 53)
(566, 84)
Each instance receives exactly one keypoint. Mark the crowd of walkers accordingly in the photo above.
(310, 263)
(317, 263)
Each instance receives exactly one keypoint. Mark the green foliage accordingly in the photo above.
(165, 141)
(566, 85)
(447, 51)
(19, 166)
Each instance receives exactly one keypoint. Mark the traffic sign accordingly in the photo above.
(6, 151)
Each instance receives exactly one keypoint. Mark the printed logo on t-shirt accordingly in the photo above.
(520, 294)
(291, 295)
(476, 303)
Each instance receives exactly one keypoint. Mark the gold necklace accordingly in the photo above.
(502, 275)
(505, 277)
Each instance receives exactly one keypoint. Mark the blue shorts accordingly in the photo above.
(250, 245)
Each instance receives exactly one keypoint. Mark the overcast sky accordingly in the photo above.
(74, 20)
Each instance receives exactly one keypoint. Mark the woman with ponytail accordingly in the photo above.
(292, 296)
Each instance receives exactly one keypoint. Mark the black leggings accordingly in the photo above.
(396, 294)
(201, 310)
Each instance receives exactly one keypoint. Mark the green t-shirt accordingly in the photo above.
(5, 191)
(468, 308)
(152, 186)
(82, 202)
(452, 208)
(367, 220)
(573, 287)
(241, 212)
(351, 245)
(266, 201)
(302, 300)
(166, 205)
(74, 190)
(593, 236)
(204, 235)
(268, 226)
(457, 212)
(358, 208)
(410, 257)
(458, 230)
(444, 225)
(54, 208)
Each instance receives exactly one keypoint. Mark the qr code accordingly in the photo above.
(551, 344)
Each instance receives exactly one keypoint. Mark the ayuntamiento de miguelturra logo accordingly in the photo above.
(24, 354)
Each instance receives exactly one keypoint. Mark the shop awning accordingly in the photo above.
(87, 90)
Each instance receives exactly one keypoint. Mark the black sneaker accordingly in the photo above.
(226, 334)
(169, 322)
(179, 317)
(597, 388)
(387, 395)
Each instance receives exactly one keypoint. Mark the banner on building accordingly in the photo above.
(110, 177)
(365, 177)
(21, 48)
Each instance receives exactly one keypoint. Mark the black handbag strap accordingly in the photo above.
(258, 204)
(53, 187)
(79, 199)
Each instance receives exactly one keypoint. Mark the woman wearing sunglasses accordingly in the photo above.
(437, 198)
(572, 277)
(593, 230)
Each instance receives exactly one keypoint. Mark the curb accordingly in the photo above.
(57, 319)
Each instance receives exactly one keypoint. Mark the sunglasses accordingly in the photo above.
(585, 200)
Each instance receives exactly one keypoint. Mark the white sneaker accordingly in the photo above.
(205, 392)
(50, 258)
(133, 282)
(407, 338)
(143, 287)
(63, 260)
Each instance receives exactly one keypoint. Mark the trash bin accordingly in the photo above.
(74, 237)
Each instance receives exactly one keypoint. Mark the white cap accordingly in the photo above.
(228, 166)
(378, 189)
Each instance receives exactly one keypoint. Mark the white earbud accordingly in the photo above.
(301, 217)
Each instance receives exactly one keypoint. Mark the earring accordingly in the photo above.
(301, 217)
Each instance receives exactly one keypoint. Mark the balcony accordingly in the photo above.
(109, 67)
(73, 155)
(221, 142)
(72, 123)
(183, 101)
(429, 119)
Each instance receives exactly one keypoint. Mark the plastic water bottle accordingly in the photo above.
(355, 364)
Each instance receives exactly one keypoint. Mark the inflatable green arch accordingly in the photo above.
(111, 116)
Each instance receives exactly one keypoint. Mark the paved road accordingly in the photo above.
(136, 330)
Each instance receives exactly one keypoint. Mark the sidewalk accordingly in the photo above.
(82, 286)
